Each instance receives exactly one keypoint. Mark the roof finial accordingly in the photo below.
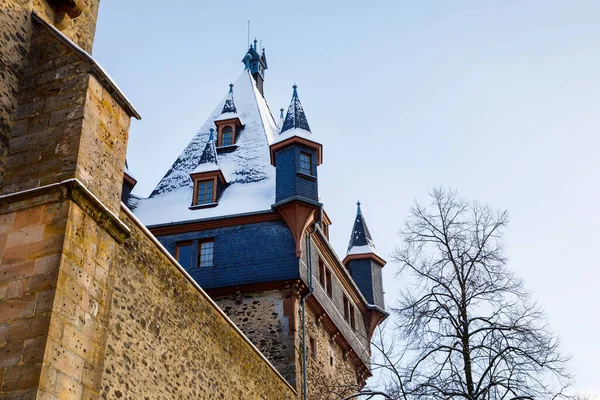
(295, 94)
(231, 88)
(255, 41)
(358, 211)
(281, 113)
(211, 136)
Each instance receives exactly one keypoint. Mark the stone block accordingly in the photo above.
(10, 354)
(28, 328)
(44, 301)
(6, 222)
(80, 345)
(11, 272)
(64, 360)
(21, 377)
(15, 254)
(27, 217)
(46, 247)
(27, 235)
(44, 265)
(4, 333)
(33, 352)
(17, 308)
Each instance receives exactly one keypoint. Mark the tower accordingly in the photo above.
(257, 64)
(296, 156)
(363, 262)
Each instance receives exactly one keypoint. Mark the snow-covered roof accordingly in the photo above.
(209, 160)
(247, 168)
(361, 241)
(295, 122)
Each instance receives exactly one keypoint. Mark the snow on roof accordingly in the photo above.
(228, 115)
(297, 132)
(361, 241)
(248, 170)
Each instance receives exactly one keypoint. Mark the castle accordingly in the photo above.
(221, 284)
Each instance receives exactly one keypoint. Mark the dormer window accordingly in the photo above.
(204, 192)
(305, 163)
(227, 136)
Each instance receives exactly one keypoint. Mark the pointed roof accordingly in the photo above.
(295, 117)
(247, 168)
(281, 119)
(361, 241)
(229, 106)
(209, 160)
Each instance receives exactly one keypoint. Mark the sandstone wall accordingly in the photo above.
(15, 37)
(168, 340)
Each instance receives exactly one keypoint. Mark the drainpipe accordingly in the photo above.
(302, 304)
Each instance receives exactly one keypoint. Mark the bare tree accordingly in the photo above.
(470, 329)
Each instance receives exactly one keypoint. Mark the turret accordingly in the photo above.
(257, 64)
(296, 156)
(363, 262)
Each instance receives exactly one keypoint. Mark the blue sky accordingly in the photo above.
(498, 100)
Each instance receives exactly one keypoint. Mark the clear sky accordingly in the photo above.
(498, 100)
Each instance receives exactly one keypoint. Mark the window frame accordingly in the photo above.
(197, 183)
(303, 162)
(346, 308)
(352, 318)
(222, 134)
(178, 245)
(199, 258)
(321, 273)
(328, 284)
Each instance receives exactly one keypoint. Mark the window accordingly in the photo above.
(346, 309)
(328, 282)
(206, 252)
(305, 163)
(321, 273)
(183, 254)
(313, 348)
(205, 192)
(352, 320)
(227, 136)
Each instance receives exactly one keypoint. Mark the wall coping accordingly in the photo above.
(100, 73)
(201, 291)
(76, 191)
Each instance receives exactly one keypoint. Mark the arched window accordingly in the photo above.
(227, 136)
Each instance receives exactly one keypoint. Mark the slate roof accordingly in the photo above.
(209, 160)
(229, 106)
(246, 168)
(361, 241)
(295, 117)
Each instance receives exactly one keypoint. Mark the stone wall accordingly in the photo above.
(331, 375)
(262, 318)
(15, 37)
(168, 340)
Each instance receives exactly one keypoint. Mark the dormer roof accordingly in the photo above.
(208, 161)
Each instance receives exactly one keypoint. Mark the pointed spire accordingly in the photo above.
(208, 159)
(295, 117)
(281, 119)
(229, 106)
(361, 241)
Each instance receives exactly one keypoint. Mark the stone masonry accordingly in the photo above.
(86, 294)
